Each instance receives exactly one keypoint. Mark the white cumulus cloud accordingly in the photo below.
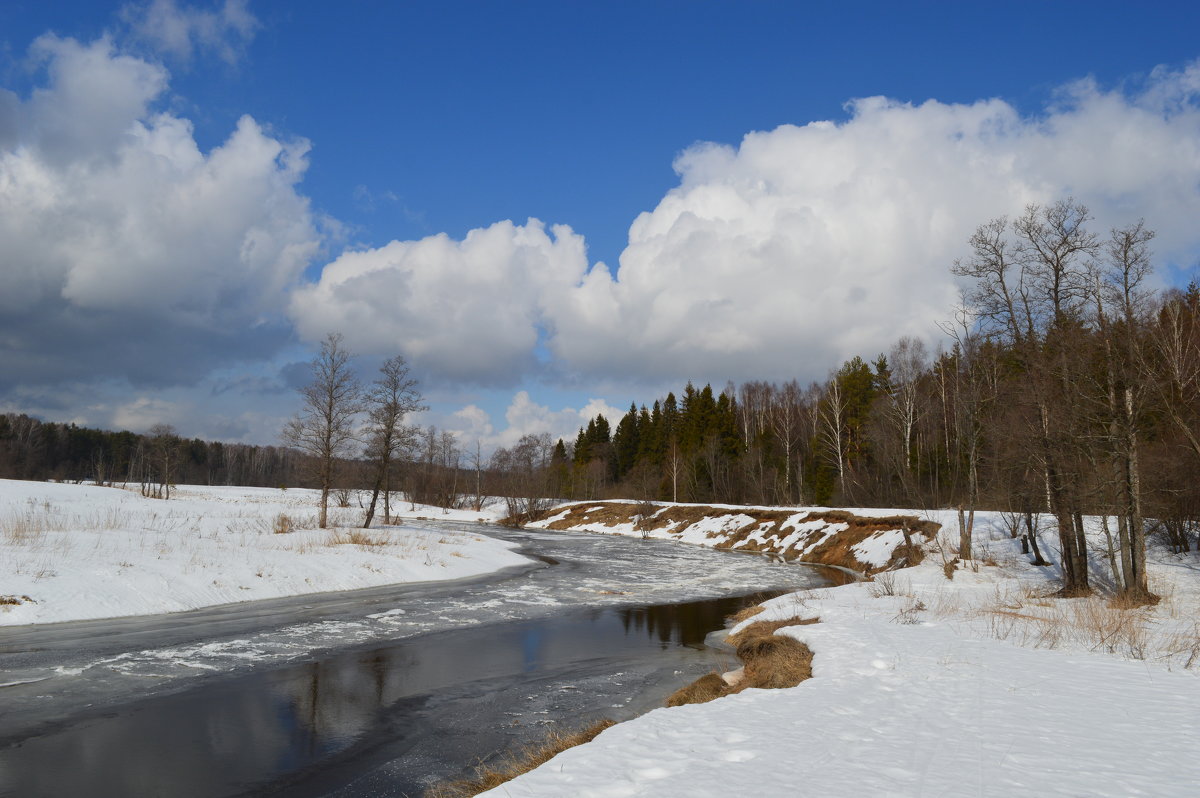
(466, 310)
(125, 250)
(808, 244)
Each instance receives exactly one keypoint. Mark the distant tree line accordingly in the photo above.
(41, 450)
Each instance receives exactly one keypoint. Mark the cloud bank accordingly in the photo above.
(782, 256)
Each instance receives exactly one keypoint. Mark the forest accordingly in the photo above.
(1067, 387)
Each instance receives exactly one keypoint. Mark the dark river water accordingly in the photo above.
(370, 701)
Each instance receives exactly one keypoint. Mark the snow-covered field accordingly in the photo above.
(70, 552)
(980, 685)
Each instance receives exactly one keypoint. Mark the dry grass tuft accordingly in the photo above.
(769, 661)
(284, 525)
(14, 601)
(489, 776)
(745, 613)
(1092, 622)
(708, 687)
(883, 584)
(766, 629)
(774, 662)
(356, 537)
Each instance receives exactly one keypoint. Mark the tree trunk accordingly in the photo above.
(1038, 559)
(965, 529)
(371, 507)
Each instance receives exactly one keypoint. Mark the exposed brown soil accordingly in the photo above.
(767, 524)
(493, 775)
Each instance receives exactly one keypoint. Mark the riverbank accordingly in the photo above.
(860, 541)
(946, 678)
(77, 552)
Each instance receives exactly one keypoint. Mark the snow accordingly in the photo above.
(877, 549)
(978, 685)
(73, 552)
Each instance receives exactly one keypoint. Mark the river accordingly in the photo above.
(377, 692)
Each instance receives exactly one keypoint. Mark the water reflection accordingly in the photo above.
(250, 732)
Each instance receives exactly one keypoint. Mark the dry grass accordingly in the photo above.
(23, 530)
(766, 629)
(745, 613)
(491, 775)
(1090, 622)
(884, 584)
(31, 526)
(356, 537)
(284, 524)
(708, 687)
(774, 662)
(769, 661)
(14, 601)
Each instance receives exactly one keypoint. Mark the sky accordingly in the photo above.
(550, 209)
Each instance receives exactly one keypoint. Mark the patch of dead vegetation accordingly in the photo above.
(745, 613)
(491, 775)
(707, 688)
(767, 629)
(1126, 629)
(774, 662)
(769, 661)
(15, 601)
(764, 531)
(356, 537)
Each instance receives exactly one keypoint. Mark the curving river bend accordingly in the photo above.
(376, 692)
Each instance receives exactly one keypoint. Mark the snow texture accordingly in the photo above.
(73, 552)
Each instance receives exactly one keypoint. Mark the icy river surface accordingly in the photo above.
(375, 692)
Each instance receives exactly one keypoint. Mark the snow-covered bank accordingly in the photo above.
(73, 552)
(862, 541)
(923, 685)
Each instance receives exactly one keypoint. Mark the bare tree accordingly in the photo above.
(833, 428)
(390, 398)
(524, 471)
(1119, 286)
(161, 462)
(324, 428)
(475, 458)
(784, 414)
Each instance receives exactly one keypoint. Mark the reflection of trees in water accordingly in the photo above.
(687, 624)
(330, 703)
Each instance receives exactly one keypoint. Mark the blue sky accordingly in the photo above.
(350, 149)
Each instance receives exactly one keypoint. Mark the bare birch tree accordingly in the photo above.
(391, 398)
(324, 427)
